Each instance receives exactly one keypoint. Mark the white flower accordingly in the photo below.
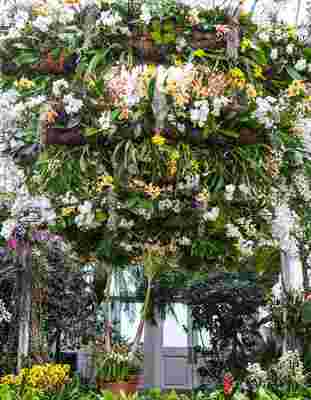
(229, 192)
(184, 241)
(290, 49)
(105, 120)
(274, 54)
(59, 86)
(244, 189)
(72, 105)
(145, 15)
(232, 231)
(85, 208)
(264, 36)
(5, 315)
(218, 104)
(8, 227)
(165, 204)
(211, 215)
(109, 19)
(199, 114)
(42, 23)
(301, 65)
(67, 16)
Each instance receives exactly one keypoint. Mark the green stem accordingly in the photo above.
(147, 300)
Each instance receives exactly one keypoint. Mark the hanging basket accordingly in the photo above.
(52, 64)
(207, 40)
(145, 47)
(40, 295)
(63, 136)
(248, 136)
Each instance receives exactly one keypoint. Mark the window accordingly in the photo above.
(174, 332)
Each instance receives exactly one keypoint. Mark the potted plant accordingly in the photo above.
(118, 369)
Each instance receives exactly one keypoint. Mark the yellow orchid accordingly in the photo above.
(68, 211)
(258, 72)
(246, 44)
(24, 83)
(296, 88)
(251, 91)
(158, 140)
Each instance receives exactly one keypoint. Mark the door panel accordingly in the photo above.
(176, 372)
(176, 368)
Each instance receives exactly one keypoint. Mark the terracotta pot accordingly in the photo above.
(130, 386)
(64, 136)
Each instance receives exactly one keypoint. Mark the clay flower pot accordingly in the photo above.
(130, 386)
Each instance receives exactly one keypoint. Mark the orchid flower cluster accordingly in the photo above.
(5, 315)
(162, 158)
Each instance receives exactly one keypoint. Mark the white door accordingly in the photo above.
(176, 366)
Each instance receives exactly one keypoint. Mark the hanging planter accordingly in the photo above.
(248, 136)
(145, 46)
(56, 62)
(63, 136)
(207, 40)
(67, 132)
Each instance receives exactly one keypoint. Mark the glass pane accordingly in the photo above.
(129, 320)
(125, 282)
(204, 338)
(174, 334)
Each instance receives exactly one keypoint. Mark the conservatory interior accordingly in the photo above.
(155, 192)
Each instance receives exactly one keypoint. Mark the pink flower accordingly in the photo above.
(12, 244)
(307, 296)
(221, 28)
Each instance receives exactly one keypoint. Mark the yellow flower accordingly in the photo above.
(24, 83)
(251, 91)
(236, 73)
(104, 181)
(175, 155)
(237, 78)
(296, 88)
(153, 191)
(68, 211)
(292, 31)
(178, 61)
(246, 44)
(51, 116)
(40, 11)
(195, 166)
(158, 140)
(258, 72)
(171, 167)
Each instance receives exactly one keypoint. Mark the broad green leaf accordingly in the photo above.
(90, 131)
(115, 114)
(229, 133)
(293, 73)
(307, 53)
(199, 53)
(306, 312)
